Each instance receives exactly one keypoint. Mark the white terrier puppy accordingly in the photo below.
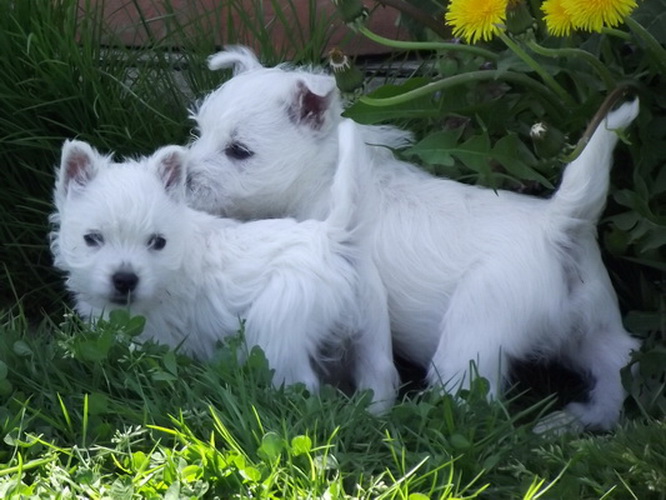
(126, 238)
(472, 275)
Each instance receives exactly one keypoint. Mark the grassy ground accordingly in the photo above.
(88, 414)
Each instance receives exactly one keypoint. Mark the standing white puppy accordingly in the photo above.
(126, 239)
(472, 275)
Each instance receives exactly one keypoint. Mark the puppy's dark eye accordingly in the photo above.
(93, 239)
(238, 151)
(156, 242)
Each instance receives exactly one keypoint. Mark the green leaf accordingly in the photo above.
(251, 474)
(644, 321)
(170, 363)
(652, 363)
(517, 159)
(435, 148)
(626, 221)
(191, 473)
(92, 350)
(139, 459)
(122, 487)
(135, 326)
(119, 317)
(3, 370)
(652, 15)
(271, 446)
(301, 445)
(656, 264)
(257, 361)
(173, 492)
(460, 442)
(22, 349)
(654, 239)
(162, 376)
(475, 155)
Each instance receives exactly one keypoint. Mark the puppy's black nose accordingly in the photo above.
(125, 282)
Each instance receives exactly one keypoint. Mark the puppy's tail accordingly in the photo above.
(584, 188)
(352, 174)
(237, 57)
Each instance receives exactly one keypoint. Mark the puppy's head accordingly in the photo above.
(120, 228)
(264, 137)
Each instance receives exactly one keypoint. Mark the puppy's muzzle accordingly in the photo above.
(124, 283)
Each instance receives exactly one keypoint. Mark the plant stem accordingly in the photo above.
(407, 45)
(545, 76)
(616, 33)
(464, 78)
(603, 72)
(598, 117)
(653, 47)
(26, 466)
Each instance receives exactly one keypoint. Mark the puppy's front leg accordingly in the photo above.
(478, 334)
(373, 352)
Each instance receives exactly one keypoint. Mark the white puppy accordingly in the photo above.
(126, 238)
(472, 275)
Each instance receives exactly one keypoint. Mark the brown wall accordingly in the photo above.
(134, 22)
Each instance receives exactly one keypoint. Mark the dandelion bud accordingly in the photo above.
(351, 11)
(347, 76)
(548, 141)
(518, 18)
(538, 130)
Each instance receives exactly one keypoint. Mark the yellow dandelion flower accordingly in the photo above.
(475, 20)
(557, 17)
(592, 15)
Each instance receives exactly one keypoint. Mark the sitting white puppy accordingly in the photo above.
(472, 275)
(126, 239)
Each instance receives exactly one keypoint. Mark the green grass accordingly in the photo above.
(87, 414)
(90, 414)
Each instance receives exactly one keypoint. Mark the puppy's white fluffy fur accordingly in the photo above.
(124, 234)
(472, 275)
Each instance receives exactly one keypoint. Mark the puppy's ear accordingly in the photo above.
(237, 57)
(170, 167)
(78, 166)
(310, 107)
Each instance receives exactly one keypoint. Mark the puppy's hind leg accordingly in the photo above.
(284, 323)
(602, 353)
(373, 353)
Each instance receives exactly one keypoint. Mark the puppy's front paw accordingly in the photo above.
(593, 417)
(384, 387)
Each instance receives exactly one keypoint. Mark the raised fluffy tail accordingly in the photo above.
(240, 58)
(352, 174)
(584, 188)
